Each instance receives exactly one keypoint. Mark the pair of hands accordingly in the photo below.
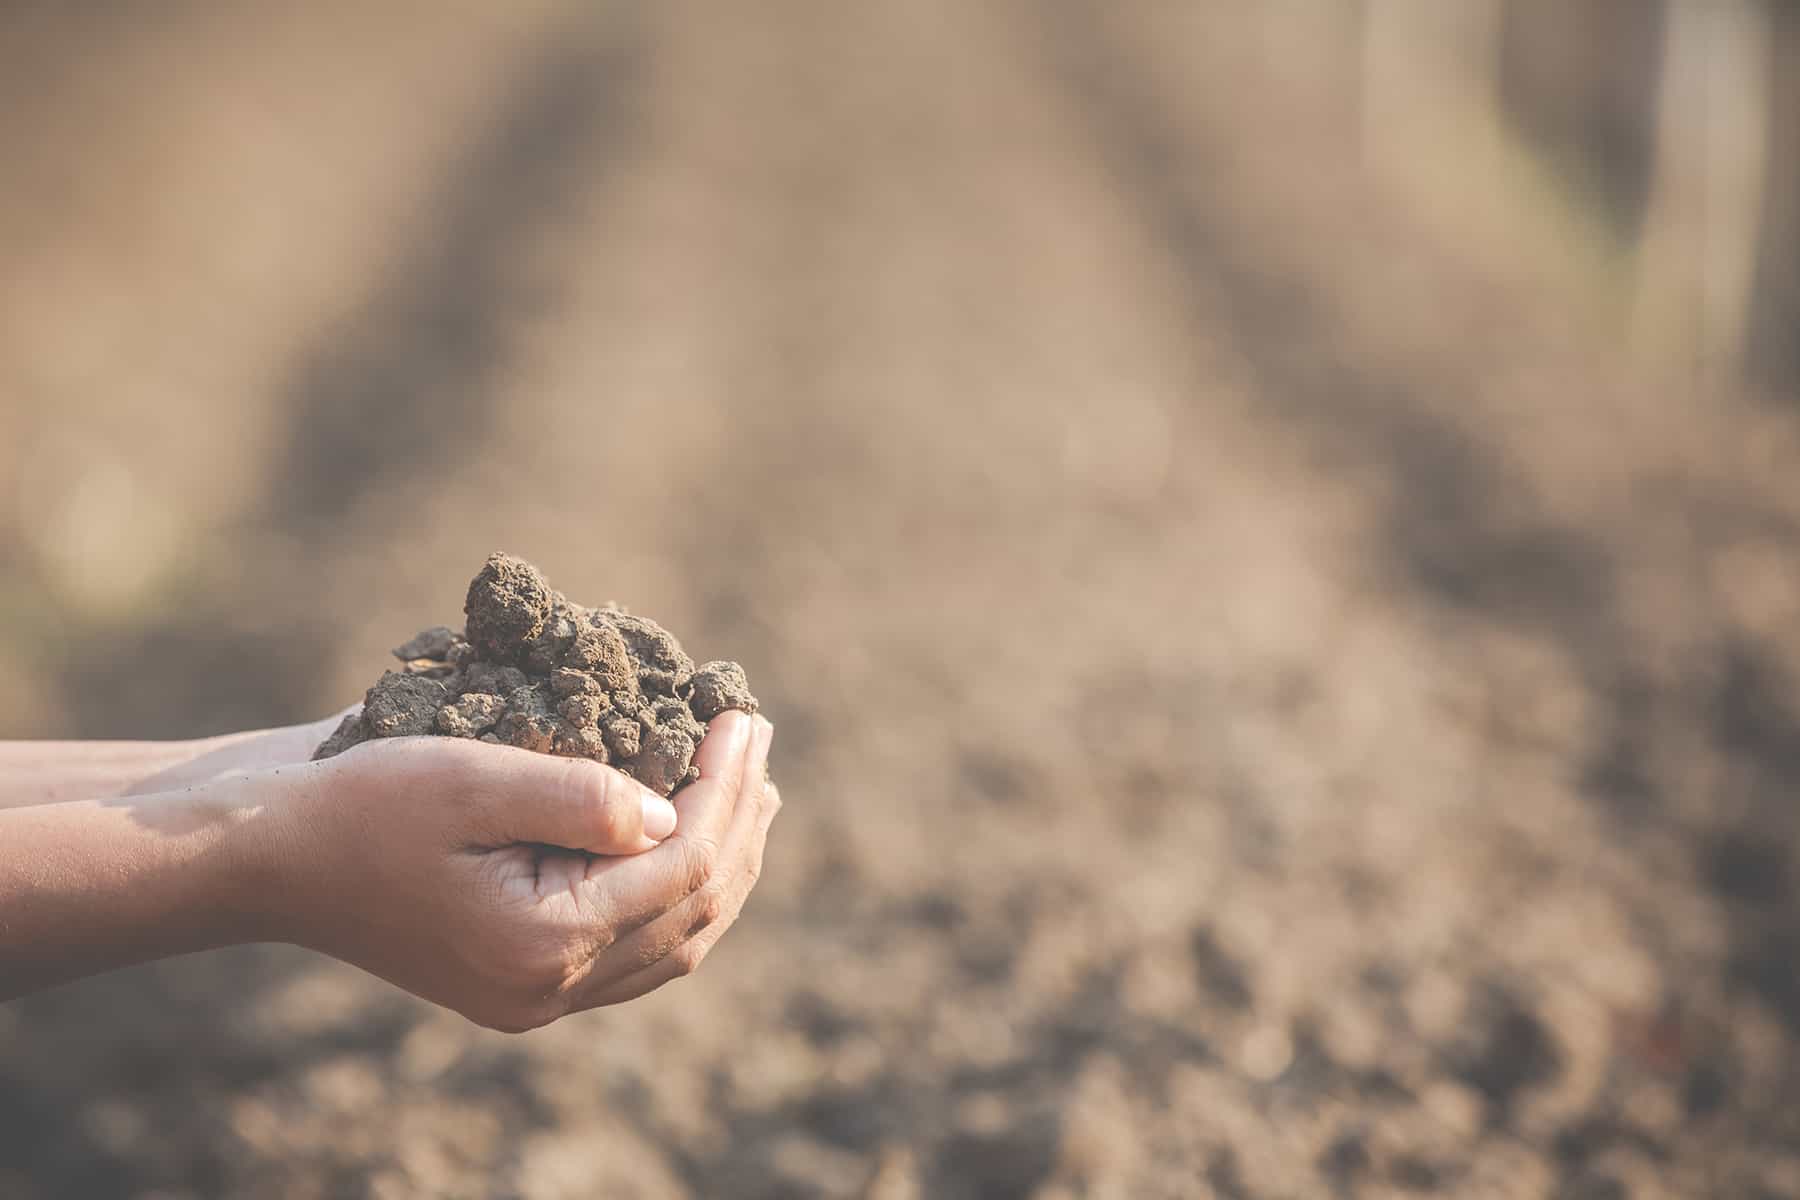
(512, 887)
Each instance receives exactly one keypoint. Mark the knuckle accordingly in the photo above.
(687, 957)
(710, 908)
(700, 862)
(583, 791)
(602, 801)
(613, 826)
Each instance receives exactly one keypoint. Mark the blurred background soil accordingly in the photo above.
(1267, 533)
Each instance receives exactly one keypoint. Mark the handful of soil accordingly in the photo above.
(539, 672)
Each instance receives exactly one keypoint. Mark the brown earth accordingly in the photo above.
(1277, 702)
(544, 674)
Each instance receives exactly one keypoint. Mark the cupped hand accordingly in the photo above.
(209, 759)
(516, 887)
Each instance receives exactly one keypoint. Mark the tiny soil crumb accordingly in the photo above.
(536, 671)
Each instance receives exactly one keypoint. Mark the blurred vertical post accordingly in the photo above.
(1697, 255)
(1773, 350)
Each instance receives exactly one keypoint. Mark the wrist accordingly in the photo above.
(90, 885)
(265, 864)
(219, 846)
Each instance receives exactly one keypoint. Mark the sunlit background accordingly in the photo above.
(1267, 531)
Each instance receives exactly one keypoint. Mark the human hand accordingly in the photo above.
(515, 887)
(57, 772)
(206, 760)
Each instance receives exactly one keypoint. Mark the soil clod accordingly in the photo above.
(540, 672)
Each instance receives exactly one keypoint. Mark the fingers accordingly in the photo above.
(574, 803)
(685, 958)
(630, 892)
(721, 893)
(674, 944)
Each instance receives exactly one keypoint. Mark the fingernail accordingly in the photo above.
(659, 817)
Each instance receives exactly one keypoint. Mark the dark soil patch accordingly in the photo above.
(537, 671)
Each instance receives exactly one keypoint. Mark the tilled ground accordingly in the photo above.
(1266, 707)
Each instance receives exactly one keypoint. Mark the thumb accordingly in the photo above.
(581, 805)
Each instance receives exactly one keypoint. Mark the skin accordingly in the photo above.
(512, 887)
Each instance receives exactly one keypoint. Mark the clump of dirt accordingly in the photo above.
(538, 671)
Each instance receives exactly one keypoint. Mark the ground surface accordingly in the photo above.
(1267, 703)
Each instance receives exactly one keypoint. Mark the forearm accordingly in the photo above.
(86, 886)
(55, 772)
